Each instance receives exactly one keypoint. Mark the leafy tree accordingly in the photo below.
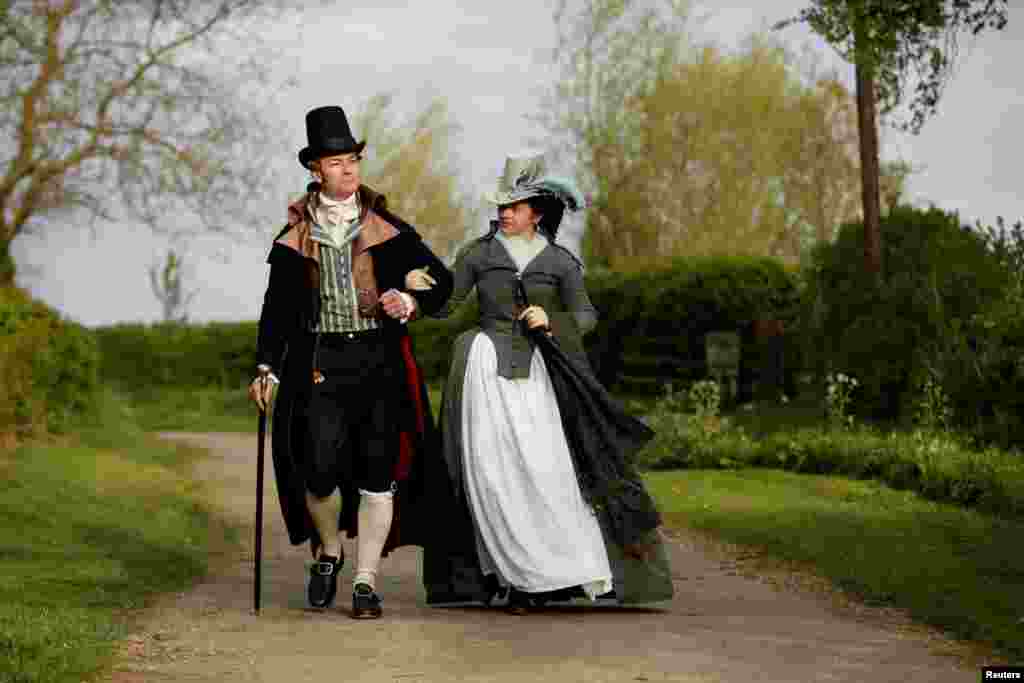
(410, 162)
(113, 106)
(607, 52)
(736, 154)
(908, 44)
(893, 44)
(1007, 243)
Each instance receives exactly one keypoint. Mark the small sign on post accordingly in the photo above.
(769, 338)
(722, 351)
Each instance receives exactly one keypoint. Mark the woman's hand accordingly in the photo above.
(536, 317)
(419, 280)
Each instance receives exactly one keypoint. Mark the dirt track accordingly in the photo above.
(724, 625)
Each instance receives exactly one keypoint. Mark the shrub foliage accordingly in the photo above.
(50, 367)
(890, 331)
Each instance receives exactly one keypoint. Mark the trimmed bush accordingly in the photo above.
(139, 357)
(651, 330)
(652, 324)
(49, 365)
(939, 467)
(981, 368)
(885, 331)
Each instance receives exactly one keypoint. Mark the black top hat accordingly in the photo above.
(328, 133)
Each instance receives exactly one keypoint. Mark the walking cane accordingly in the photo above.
(258, 555)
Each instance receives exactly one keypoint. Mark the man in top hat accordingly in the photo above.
(351, 421)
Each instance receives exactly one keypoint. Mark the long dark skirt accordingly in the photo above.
(603, 439)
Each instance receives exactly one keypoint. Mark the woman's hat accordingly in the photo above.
(526, 176)
(328, 133)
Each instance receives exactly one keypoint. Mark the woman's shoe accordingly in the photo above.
(323, 581)
(493, 589)
(518, 603)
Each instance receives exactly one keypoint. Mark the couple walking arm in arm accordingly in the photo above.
(527, 489)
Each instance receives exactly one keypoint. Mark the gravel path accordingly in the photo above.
(727, 623)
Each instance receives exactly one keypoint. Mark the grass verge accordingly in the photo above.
(941, 466)
(207, 409)
(957, 569)
(92, 528)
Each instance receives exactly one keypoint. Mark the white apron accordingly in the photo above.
(534, 529)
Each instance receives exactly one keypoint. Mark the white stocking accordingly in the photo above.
(375, 512)
(325, 513)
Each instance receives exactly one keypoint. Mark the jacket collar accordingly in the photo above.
(302, 208)
(374, 228)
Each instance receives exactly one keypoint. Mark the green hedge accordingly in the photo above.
(938, 466)
(949, 306)
(981, 367)
(652, 324)
(49, 367)
(886, 331)
(137, 356)
(651, 330)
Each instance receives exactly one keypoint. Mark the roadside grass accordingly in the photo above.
(177, 409)
(953, 568)
(91, 527)
(207, 409)
(213, 409)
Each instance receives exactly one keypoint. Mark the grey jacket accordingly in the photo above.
(553, 280)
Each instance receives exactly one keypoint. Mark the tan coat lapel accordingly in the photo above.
(375, 230)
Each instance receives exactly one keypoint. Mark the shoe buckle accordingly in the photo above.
(324, 568)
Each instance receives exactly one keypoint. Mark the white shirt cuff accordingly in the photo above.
(410, 306)
(271, 376)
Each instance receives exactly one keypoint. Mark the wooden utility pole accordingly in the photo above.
(867, 126)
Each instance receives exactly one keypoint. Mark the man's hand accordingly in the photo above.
(261, 389)
(397, 305)
(418, 280)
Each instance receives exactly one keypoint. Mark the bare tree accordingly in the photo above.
(126, 107)
(410, 162)
(608, 51)
(168, 283)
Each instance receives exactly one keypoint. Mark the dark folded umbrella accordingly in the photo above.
(603, 440)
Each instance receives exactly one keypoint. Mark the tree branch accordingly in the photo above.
(49, 71)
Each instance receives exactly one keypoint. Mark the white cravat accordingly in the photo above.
(337, 211)
(334, 213)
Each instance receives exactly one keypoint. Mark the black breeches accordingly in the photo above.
(354, 415)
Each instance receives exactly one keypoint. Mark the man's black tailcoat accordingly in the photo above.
(291, 302)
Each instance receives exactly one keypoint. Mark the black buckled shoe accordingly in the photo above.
(365, 602)
(323, 580)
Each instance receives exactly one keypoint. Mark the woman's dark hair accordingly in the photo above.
(548, 207)
(551, 210)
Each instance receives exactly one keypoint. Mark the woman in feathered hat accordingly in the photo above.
(542, 497)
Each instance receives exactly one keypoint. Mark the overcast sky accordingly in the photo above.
(489, 59)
